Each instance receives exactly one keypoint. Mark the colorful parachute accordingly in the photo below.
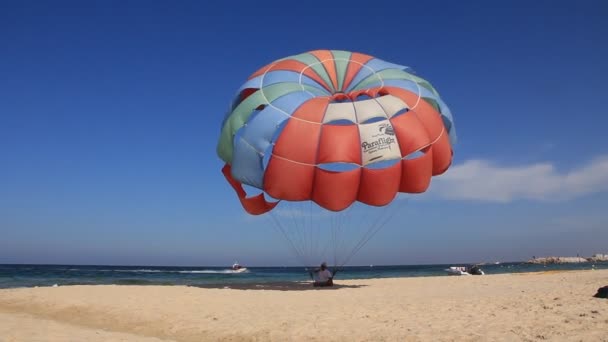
(334, 127)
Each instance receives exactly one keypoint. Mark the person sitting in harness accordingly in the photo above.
(322, 276)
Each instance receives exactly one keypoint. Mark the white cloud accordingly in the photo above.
(485, 181)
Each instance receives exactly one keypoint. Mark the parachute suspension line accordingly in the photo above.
(314, 225)
(346, 232)
(298, 231)
(346, 223)
(366, 232)
(308, 228)
(338, 226)
(279, 227)
(366, 236)
(350, 224)
(397, 210)
(276, 224)
(293, 230)
(316, 229)
(310, 231)
(334, 237)
(375, 228)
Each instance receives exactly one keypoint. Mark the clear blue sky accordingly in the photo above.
(110, 112)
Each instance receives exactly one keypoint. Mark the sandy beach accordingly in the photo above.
(554, 306)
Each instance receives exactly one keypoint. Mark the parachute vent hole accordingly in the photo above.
(244, 94)
(400, 112)
(340, 98)
(378, 118)
(383, 164)
(418, 154)
(363, 97)
(338, 167)
(340, 122)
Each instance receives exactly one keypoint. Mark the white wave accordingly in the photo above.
(117, 270)
(225, 271)
(214, 272)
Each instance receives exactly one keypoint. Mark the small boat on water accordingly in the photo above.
(237, 268)
(464, 271)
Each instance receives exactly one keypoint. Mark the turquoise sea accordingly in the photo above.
(12, 276)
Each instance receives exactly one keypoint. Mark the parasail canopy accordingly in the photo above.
(334, 127)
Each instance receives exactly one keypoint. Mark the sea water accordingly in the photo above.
(12, 276)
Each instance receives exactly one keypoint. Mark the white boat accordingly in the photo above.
(464, 271)
(237, 268)
(457, 270)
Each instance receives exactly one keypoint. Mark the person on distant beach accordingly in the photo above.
(323, 276)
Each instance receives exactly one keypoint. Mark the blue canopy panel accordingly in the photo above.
(254, 139)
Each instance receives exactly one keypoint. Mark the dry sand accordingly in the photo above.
(555, 306)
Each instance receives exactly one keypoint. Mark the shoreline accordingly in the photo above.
(299, 284)
(540, 305)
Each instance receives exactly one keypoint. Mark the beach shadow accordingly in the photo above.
(286, 286)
